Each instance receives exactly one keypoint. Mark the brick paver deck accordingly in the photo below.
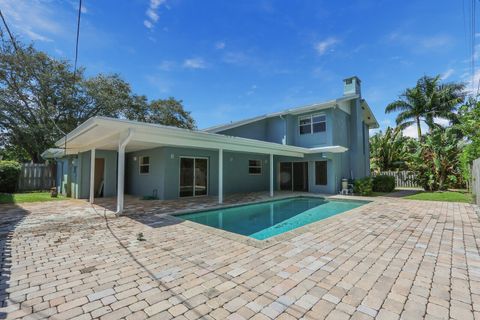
(389, 259)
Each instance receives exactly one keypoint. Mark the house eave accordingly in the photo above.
(104, 133)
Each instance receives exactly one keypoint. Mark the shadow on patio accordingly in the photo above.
(10, 217)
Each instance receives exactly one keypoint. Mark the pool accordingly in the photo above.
(267, 219)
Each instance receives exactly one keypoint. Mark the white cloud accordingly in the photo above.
(220, 45)
(447, 74)
(472, 84)
(35, 19)
(148, 24)
(194, 63)
(411, 131)
(436, 41)
(326, 45)
(152, 13)
(442, 122)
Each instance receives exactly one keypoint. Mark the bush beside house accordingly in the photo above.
(363, 186)
(9, 174)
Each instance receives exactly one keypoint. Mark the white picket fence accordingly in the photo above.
(476, 180)
(36, 176)
(403, 179)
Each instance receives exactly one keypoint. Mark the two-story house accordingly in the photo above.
(309, 149)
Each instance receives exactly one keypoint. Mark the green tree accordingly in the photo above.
(41, 99)
(469, 125)
(428, 100)
(169, 112)
(437, 161)
(390, 150)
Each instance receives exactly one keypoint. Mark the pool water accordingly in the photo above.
(264, 220)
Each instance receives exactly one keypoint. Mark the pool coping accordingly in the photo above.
(260, 244)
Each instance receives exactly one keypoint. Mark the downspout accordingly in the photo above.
(284, 140)
(121, 171)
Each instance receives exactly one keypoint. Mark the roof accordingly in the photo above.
(106, 133)
(53, 153)
(371, 121)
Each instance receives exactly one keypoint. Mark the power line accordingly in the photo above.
(8, 31)
(74, 64)
(78, 37)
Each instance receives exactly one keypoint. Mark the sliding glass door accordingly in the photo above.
(193, 177)
(294, 176)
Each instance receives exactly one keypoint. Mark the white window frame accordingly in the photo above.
(312, 123)
(194, 176)
(140, 165)
(259, 166)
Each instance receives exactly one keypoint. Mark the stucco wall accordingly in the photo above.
(236, 176)
(110, 173)
(145, 184)
(164, 175)
(255, 130)
(334, 168)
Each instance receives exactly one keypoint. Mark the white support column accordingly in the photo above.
(271, 175)
(121, 171)
(92, 176)
(220, 176)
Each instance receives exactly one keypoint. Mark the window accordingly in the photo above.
(305, 125)
(144, 165)
(321, 173)
(319, 123)
(313, 124)
(255, 167)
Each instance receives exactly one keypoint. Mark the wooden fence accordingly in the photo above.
(476, 180)
(403, 179)
(36, 176)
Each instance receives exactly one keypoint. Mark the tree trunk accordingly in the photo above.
(419, 129)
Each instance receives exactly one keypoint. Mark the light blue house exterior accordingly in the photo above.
(309, 149)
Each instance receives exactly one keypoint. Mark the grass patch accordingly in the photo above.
(28, 197)
(449, 196)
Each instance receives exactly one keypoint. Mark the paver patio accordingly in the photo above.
(389, 259)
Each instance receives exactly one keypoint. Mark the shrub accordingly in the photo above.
(383, 183)
(9, 173)
(363, 186)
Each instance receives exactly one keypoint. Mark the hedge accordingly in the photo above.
(383, 183)
(363, 186)
(9, 174)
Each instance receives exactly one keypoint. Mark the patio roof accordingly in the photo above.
(106, 133)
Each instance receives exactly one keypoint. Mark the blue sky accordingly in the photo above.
(228, 60)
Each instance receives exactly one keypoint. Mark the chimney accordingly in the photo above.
(351, 85)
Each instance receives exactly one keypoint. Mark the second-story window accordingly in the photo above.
(313, 124)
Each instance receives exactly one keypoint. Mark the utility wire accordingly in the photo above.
(8, 31)
(78, 37)
(75, 63)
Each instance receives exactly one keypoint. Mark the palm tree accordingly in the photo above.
(428, 100)
(390, 150)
